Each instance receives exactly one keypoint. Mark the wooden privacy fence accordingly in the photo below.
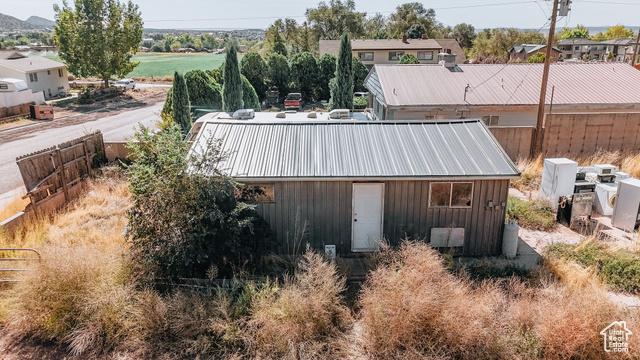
(53, 176)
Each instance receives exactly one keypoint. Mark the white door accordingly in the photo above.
(367, 216)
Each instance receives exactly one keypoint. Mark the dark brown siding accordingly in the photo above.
(325, 206)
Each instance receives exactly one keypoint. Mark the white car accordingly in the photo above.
(127, 84)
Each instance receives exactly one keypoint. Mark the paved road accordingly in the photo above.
(138, 85)
(114, 127)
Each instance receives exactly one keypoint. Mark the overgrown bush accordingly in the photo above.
(184, 218)
(534, 215)
(359, 102)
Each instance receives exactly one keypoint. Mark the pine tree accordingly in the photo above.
(232, 87)
(180, 103)
(342, 85)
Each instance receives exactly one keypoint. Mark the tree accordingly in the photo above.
(579, 32)
(360, 72)
(537, 58)
(175, 47)
(185, 219)
(249, 96)
(326, 72)
(255, 70)
(498, 42)
(375, 27)
(416, 30)
(203, 91)
(408, 14)
(342, 85)
(464, 34)
(329, 21)
(274, 41)
(304, 74)
(97, 38)
(232, 87)
(279, 73)
(181, 108)
(618, 31)
(409, 59)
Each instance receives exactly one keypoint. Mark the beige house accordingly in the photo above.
(390, 51)
(40, 74)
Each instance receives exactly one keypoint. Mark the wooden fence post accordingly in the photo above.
(87, 156)
(63, 176)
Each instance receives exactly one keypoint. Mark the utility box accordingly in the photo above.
(626, 212)
(41, 112)
(558, 179)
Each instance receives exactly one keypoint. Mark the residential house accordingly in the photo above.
(390, 51)
(582, 49)
(622, 49)
(524, 51)
(502, 94)
(352, 183)
(40, 74)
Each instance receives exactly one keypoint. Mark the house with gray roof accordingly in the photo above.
(40, 74)
(349, 184)
(524, 51)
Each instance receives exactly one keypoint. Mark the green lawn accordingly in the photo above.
(166, 64)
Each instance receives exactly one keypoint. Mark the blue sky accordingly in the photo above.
(261, 13)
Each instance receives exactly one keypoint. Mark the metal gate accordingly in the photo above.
(21, 262)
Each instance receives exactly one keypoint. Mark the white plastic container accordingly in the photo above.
(510, 240)
(558, 179)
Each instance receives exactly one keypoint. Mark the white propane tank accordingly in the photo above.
(510, 240)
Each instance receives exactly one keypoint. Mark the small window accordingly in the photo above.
(365, 56)
(255, 193)
(425, 55)
(4, 87)
(451, 194)
(48, 72)
(60, 73)
(491, 120)
(395, 55)
(33, 77)
(577, 48)
(60, 87)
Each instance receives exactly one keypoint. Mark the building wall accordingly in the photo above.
(326, 209)
(49, 81)
(382, 56)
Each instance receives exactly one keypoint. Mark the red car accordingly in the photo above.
(293, 101)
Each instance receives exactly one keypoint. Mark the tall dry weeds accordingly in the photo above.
(411, 307)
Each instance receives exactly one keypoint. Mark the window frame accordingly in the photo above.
(60, 73)
(4, 86)
(33, 77)
(396, 55)
(363, 55)
(451, 194)
(254, 185)
(425, 52)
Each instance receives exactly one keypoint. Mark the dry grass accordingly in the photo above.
(13, 207)
(411, 307)
(627, 161)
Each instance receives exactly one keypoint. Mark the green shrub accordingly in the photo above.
(534, 215)
(359, 102)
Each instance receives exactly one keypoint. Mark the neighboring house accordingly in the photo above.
(524, 51)
(40, 74)
(354, 183)
(502, 94)
(390, 51)
(583, 49)
(622, 49)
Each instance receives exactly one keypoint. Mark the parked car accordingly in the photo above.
(293, 101)
(361, 94)
(127, 84)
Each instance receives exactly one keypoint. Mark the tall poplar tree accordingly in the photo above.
(232, 87)
(180, 103)
(342, 84)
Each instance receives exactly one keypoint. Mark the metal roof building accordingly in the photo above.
(510, 91)
(356, 182)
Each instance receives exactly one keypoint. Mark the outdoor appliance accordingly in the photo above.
(558, 179)
(626, 212)
(601, 178)
(621, 176)
(583, 186)
(605, 169)
(574, 211)
(606, 198)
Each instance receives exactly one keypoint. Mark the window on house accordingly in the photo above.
(33, 77)
(577, 48)
(60, 73)
(395, 55)
(365, 56)
(491, 120)
(450, 194)
(425, 55)
(255, 193)
(4, 87)
(48, 72)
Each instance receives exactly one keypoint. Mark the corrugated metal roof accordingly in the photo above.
(511, 84)
(356, 149)
(30, 64)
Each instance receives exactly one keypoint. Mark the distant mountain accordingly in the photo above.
(10, 23)
(40, 22)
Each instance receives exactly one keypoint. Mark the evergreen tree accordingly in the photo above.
(409, 59)
(304, 73)
(249, 96)
(279, 73)
(180, 103)
(232, 88)
(342, 84)
(203, 91)
(360, 72)
(255, 69)
(326, 72)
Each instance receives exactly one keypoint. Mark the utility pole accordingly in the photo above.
(635, 49)
(537, 139)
